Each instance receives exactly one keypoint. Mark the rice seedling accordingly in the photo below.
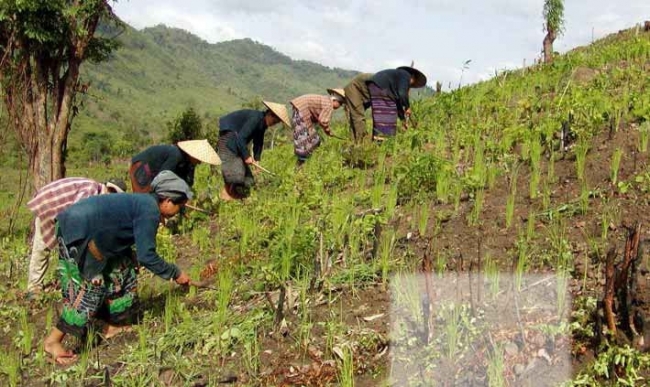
(440, 265)
(522, 260)
(644, 134)
(615, 165)
(443, 184)
(251, 354)
(451, 316)
(550, 169)
(581, 150)
(391, 200)
(11, 366)
(385, 252)
(48, 318)
(423, 219)
(26, 333)
(475, 214)
(492, 275)
(584, 196)
(346, 367)
(224, 295)
(496, 367)
(530, 225)
(510, 201)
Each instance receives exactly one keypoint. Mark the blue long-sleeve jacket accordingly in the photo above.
(249, 125)
(115, 223)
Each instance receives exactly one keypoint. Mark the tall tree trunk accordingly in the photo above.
(548, 44)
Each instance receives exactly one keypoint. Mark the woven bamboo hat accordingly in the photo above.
(420, 78)
(200, 150)
(338, 93)
(279, 110)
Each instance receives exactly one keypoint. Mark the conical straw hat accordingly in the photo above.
(200, 150)
(420, 78)
(339, 92)
(279, 110)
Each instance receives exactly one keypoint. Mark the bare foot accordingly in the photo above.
(58, 353)
(114, 330)
(225, 196)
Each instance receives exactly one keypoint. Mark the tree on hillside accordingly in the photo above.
(187, 126)
(42, 47)
(553, 25)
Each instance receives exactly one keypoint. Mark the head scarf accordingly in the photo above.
(167, 184)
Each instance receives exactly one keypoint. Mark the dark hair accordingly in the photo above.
(176, 200)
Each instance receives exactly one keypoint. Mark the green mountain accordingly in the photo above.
(158, 72)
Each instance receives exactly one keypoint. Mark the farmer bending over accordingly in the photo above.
(389, 98)
(387, 92)
(236, 131)
(46, 204)
(313, 109)
(180, 159)
(96, 266)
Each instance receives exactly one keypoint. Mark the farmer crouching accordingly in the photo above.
(96, 266)
(308, 110)
(236, 131)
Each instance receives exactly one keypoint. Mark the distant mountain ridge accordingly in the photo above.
(160, 71)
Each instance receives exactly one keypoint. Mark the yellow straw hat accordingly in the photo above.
(279, 110)
(200, 150)
(337, 92)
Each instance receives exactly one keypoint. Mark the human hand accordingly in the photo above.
(249, 160)
(183, 279)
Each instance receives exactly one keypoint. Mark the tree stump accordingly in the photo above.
(626, 292)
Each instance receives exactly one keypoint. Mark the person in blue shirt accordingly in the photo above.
(97, 267)
(180, 158)
(236, 131)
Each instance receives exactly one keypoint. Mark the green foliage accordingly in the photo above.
(187, 126)
(554, 16)
(418, 175)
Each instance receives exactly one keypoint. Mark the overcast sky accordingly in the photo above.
(439, 35)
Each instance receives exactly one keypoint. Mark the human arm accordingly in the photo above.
(144, 233)
(258, 145)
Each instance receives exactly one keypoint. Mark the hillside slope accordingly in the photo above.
(159, 72)
(480, 188)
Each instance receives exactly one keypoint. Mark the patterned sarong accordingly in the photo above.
(305, 137)
(384, 111)
(113, 298)
(235, 172)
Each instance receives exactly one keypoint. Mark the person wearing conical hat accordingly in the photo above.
(236, 131)
(389, 98)
(180, 158)
(310, 109)
(387, 92)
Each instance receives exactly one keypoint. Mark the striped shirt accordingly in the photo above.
(315, 108)
(55, 197)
